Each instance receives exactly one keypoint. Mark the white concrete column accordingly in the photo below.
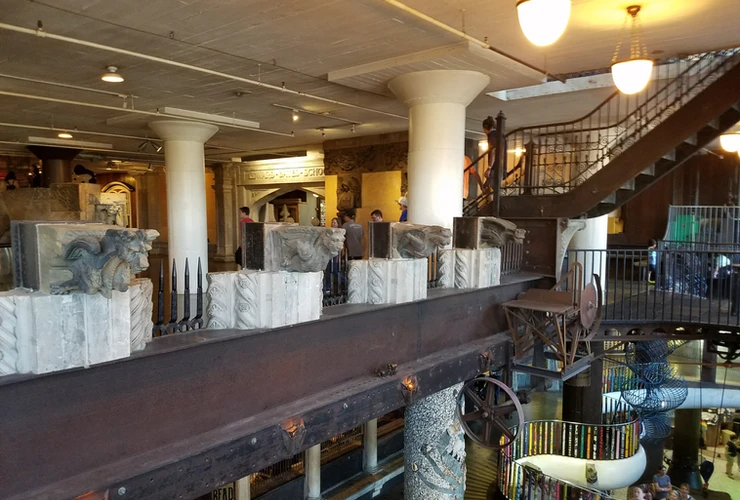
(437, 101)
(243, 489)
(592, 237)
(186, 193)
(370, 447)
(312, 466)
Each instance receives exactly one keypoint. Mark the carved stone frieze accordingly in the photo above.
(220, 296)
(8, 336)
(371, 158)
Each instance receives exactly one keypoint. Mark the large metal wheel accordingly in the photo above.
(490, 412)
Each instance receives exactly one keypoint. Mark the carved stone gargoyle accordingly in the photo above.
(108, 263)
(416, 241)
(476, 233)
(303, 249)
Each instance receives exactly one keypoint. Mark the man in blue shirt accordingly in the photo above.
(661, 483)
(402, 204)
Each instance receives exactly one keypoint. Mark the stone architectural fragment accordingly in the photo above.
(289, 247)
(485, 232)
(386, 281)
(250, 300)
(463, 268)
(60, 258)
(400, 240)
(44, 333)
(141, 291)
(434, 448)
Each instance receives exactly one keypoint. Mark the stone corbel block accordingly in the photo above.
(476, 233)
(289, 247)
(401, 240)
(42, 333)
(387, 281)
(463, 268)
(249, 300)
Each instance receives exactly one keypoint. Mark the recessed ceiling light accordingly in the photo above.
(112, 76)
(64, 135)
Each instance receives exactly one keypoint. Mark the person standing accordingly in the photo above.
(731, 448)
(376, 215)
(354, 234)
(403, 207)
(243, 217)
(662, 483)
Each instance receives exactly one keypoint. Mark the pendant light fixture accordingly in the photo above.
(730, 142)
(543, 21)
(112, 76)
(632, 75)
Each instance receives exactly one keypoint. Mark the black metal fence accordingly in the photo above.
(184, 323)
(693, 286)
(512, 254)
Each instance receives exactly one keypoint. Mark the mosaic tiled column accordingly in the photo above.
(434, 448)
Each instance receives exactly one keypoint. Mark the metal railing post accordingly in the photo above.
(500, 163)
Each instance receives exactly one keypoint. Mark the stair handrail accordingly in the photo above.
(644, 119)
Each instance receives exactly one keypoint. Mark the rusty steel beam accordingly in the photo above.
(200, 408)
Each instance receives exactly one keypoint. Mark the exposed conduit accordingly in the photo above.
(465, 36)
(101, 134)
(138, 112)
(139, 55)
(67, 86)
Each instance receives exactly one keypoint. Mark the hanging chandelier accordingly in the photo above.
(632, 75)
(543, 21)
(730, 142)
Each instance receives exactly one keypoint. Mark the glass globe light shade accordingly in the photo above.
(543, 21)
(632, 76)
(730, 142)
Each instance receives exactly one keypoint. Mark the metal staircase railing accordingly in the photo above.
(558, 158)
(564, 155)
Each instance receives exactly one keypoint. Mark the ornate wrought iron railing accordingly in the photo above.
(561, 156)
(666, 285)
(186, 322)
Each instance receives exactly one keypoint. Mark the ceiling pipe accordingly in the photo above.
(68, 86)
(467, 37)
(26, 143)
(101, 134)
(44, 34)
(138, 112)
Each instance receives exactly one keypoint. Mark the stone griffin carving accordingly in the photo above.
(415, 241)
(305, 249)
(495, 233)
(106, 264)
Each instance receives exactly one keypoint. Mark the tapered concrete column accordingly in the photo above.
(434, 448)
(186, 192)
(592, 237)
(370, 447)
(312, 466)
(437, 102)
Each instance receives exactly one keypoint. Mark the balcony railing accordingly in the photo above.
(703, 225)
(691, 286)
(616, 440)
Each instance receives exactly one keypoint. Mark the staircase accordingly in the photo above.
(597, 163)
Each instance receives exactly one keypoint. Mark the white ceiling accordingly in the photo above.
(299, 43)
